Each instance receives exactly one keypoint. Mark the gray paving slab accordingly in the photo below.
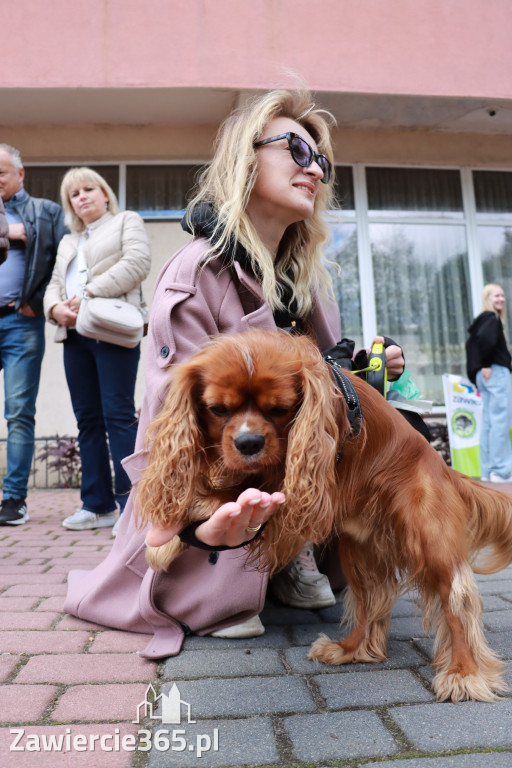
(237, 742)
(495, 603)
(307, 634)
(282, 615)
(335, 735)
(245, 697)
(331, 615)
(404, 628)
(234, 662)
(400, 655)
(371, 688)
(495, 586)
(274, 637)
(487, 760)
(446, 726)
(498, 620)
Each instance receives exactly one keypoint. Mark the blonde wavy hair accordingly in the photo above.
(84, 175)
(227, 182)
(487, 303)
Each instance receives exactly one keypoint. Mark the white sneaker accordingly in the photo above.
(301, 585)
(116, 527)
(495, 478)
(484, 479)
(250, 628)
(84, 520)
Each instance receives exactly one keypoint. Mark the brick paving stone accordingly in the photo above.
(112, 641)
(39, 590)
(447, 726)
(371, 688)
(335, 735)
(240, 743)
(6, 580)
(17, 603)
(229, 663)
(11, 569)
(400, 655)
(86, 668)
(8, 663)
(118, 701)
(50, 604)
(34, 641)
(22, 704)
(71, 622)
(487, 760)
(27, 620)
(52, 758)
(245, 697)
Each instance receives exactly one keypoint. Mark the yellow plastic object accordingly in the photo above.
(377, 373)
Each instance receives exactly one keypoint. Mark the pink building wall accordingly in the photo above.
(423, 47)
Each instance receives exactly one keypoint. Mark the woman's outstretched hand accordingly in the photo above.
(231, 524)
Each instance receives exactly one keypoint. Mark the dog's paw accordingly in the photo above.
(329, 651)
(456, 687)
(162, 557)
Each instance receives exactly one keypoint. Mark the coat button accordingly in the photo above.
(164, 352)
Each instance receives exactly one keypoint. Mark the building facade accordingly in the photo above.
(422, 94)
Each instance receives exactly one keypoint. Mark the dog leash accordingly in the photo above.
(347, 389)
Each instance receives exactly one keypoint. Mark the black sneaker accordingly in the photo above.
(13, 512)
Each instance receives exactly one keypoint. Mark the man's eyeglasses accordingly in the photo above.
(302, 153)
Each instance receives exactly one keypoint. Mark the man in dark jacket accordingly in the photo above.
(4, 234)
(36, 227)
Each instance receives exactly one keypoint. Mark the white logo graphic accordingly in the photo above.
(162, 739)
(171, 706)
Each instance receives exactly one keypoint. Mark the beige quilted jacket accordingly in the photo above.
(118, 259)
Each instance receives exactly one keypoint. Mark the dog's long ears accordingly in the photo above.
(166, 491)
(313, 443)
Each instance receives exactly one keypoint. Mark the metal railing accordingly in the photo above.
(56, 462)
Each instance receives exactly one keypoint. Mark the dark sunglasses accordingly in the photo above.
(302, 153)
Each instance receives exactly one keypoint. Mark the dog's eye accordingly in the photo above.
(279, 410)
(219, 410)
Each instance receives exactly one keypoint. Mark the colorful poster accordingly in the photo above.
(464, 419)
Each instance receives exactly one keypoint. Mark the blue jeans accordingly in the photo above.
(21, 354)
(101, 380)
(495, 447)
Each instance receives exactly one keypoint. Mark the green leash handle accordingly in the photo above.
(376, 372)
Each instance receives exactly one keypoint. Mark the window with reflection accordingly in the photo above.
(342, 256)
(159, 191)
(45, 181)
(493, 196)
(420, 269)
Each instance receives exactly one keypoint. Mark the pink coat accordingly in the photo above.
(190, 305)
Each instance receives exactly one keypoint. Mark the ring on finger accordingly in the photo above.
(253, 530)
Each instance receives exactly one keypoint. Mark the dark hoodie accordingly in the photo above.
(486, 345)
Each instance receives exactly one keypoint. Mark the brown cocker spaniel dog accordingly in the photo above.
(260, 409)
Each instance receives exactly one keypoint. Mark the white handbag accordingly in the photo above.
(112, 320)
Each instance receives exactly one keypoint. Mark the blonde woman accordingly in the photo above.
(254, 262)
(489, 364)
(100, 376)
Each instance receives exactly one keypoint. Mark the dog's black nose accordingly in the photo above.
(249, 444)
